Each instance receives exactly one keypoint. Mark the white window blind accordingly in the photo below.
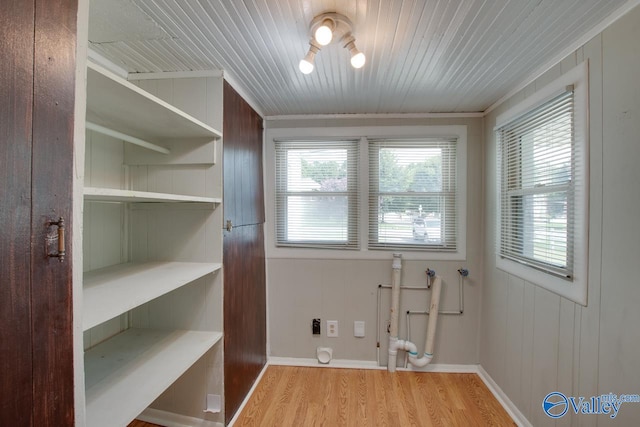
(538, 175)
(317, 194)
(412, 194)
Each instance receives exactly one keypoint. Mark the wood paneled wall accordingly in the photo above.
(242, 130)
(52, 197)
(37, 86)
(534, 342)
(16, 90)
(244, 261)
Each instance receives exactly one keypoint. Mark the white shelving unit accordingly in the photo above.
(129, 196)
(111, 291)
(126, 108)
(144, 361)
(152, 238)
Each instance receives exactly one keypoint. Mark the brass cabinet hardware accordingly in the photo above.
(61, 242)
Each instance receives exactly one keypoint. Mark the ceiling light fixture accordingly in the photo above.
(325, 29)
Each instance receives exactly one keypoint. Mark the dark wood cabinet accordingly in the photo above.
(243, 188)
(244, 259)
(37, 86)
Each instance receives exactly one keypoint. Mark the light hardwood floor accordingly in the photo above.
(296, 396)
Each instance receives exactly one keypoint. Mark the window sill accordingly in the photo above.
(363, 254)
(574, 290)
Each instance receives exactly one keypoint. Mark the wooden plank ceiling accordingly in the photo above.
(423, 56)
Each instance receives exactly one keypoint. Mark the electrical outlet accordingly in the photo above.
(332, 328)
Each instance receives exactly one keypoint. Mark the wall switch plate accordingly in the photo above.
(332, 328)
(358, 328)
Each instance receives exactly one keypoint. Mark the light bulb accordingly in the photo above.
(358, 60)
(324, 33)
(306, 64)
(306, 67)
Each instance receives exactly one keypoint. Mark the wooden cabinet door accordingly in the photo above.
(243, 189)
(245, 337)
(37, 86)
(16, 91)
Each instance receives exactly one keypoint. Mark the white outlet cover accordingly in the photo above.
(332, 328)
(358, 328)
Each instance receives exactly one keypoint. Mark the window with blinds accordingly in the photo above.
(412, 194)
(317, 194)
(538, 176)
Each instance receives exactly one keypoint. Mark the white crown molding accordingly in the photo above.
(97, 58)
(230, 78)
(175, 75)
(375, 116)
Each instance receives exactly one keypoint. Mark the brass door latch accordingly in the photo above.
(61, 242)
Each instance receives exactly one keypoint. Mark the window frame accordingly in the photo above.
(449, 145)
(363, 133)
(352, 193)
(574, 287)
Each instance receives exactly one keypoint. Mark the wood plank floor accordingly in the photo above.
(296, 396)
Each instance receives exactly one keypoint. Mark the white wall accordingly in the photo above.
(345, 290)
(533, 342)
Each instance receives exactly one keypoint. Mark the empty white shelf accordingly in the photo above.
(115, 195)
(145, 361)
(109, 292)
(124, 137)
(118, 104)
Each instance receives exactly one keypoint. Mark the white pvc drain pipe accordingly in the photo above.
(396, 344)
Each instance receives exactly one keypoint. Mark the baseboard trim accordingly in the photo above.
(368, 364)
(313, 363)
(248, 396)
(507, 404)
(169, 419)
(444, 368)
